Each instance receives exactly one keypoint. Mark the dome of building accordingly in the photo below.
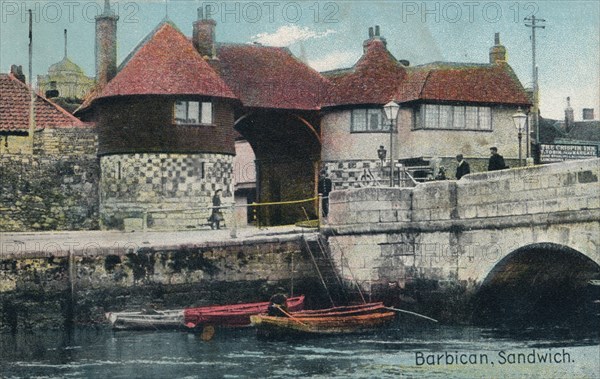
(65, 66)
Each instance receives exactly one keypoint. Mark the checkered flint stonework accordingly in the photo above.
(135, 177)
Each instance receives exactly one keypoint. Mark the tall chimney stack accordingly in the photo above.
(497, 52)
(588, 114)
(569, 116)
(204, 36)
(373, 36)
(106, 45)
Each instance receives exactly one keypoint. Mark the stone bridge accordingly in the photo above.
(526, 238)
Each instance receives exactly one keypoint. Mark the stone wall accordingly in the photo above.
(49, 288)
(167, 191)
(434, 244)
(56, 189)
(66, 141)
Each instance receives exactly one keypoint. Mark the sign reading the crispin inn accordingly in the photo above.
(557, 153)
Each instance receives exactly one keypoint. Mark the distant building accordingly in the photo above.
(52, 124)
(65, 82)
(446, 109)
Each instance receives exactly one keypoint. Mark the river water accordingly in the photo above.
(401, 351)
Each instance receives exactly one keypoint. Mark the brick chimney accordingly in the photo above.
(497, 52)
(204, 36)
(569, 116)
(17, 72)
(588, 114)
(373, 36)
(106, 45)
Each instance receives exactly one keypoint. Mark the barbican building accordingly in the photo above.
(169, 115)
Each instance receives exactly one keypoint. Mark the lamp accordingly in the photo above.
(520, 119)
(391, 113)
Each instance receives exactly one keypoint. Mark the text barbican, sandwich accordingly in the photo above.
(501, 357)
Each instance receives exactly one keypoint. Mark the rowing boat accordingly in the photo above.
(331, 321)
(153, 320)
(237, 315)
(231, 315)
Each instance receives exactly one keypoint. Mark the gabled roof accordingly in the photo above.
(166, 64)
(14, 108)
(588, 130)
(378, 78)
(374, 79)
(463, 82)
(549, 130)
(270, 77)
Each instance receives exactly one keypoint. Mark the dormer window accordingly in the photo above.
(193, 113)
(369, 120)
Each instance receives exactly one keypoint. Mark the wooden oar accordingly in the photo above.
(411, 313)
(289, 315)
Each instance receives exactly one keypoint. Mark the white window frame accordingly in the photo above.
(383, 125)
(454, 117)
(203, 112)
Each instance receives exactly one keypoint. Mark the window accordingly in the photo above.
(369, 120)
(193, 113)
(459, 117)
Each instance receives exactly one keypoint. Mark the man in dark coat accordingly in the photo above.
(217, 216)
(324, 187)
(463, 167)
(496, 161)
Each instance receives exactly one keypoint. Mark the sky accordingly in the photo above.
(329, 35)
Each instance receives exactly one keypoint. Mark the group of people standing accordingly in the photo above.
(496, 162)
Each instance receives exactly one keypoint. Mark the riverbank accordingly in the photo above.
(54, 280)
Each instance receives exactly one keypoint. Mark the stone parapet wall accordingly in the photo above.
(569, 186)
(48, 192)
(168, 191)
(370, 205)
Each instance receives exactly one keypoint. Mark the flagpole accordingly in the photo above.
(31, 89)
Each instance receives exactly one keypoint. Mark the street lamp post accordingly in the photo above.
(520, 119)
(391, 113)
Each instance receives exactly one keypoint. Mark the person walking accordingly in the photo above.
(496, 161)
(216, 216)
(463, 167)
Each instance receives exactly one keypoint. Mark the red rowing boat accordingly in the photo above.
(236, 315)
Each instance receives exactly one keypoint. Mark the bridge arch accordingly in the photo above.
(287, 146)
(538, 284)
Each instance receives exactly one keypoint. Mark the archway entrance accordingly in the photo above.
(541, 285)
(287, 148)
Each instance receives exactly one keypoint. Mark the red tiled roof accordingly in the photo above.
(167, 64)
(476, 83)
(374, 79)
(378, 78)
(270, 77)
(14, 108)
